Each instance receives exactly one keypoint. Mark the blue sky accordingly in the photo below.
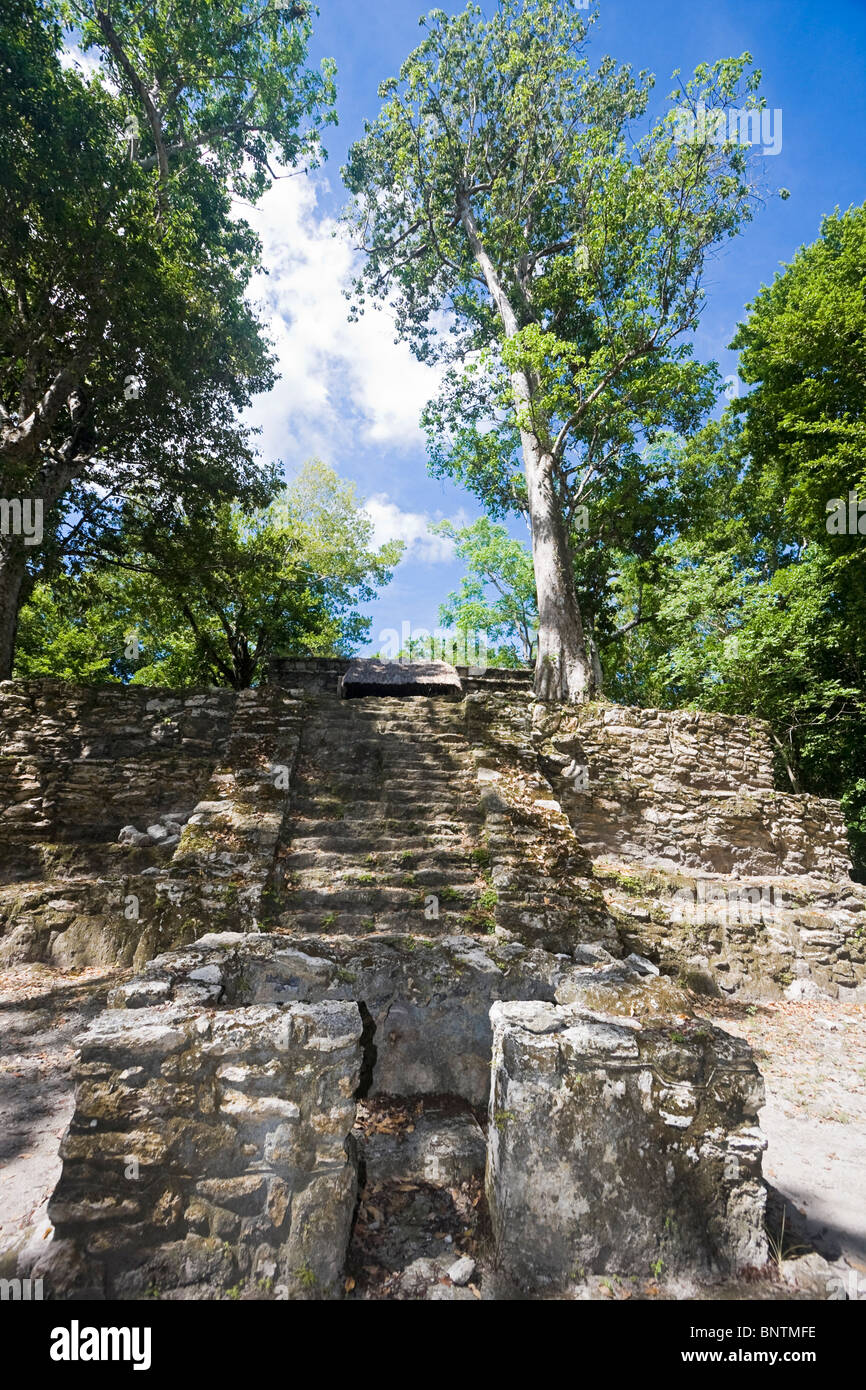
(351, 396)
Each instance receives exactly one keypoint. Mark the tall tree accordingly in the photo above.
(126, 346)
(554, 261)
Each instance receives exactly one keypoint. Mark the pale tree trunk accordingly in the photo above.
(564, 669)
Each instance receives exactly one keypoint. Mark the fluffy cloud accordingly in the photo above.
(88, 64)
(391, 523)
(340, 382)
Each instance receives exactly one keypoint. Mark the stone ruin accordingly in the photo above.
(391, 945)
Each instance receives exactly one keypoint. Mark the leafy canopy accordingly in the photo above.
(497, 592)
(212, 600)
(595, 240)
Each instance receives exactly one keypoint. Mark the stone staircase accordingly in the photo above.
(403, 831)
(383, 835)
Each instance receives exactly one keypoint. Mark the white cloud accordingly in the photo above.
(339, 381)
(88, 64)
(391, 523)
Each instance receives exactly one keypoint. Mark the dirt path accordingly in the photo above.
(813, 1057)
(41, 1012)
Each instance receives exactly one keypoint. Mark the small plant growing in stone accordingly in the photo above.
(305, 1277)
(779, 1249)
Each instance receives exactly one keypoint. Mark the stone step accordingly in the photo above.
(391, 921)
(357, 840)
(354, 877)
(360, 897)
(414, 774)
(311, 812)
(392, 861)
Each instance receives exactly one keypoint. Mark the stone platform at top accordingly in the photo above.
(372, 677)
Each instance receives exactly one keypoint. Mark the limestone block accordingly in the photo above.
(209, 1148)
(617, 1145)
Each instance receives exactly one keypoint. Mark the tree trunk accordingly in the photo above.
(13, 564)
(44, 489)
(563, 669)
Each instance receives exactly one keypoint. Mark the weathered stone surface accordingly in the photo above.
(684, 789)
(619, 1145)
(427, 999)
(148, 813)
(210, 1149)
(413, 863)
(476, 808)
(369, 677)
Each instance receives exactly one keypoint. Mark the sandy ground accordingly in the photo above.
(41, 1012)
(813, 1057)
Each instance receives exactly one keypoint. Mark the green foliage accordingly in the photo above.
(757, 609)
(230, 78)
(127, 346)
(501, 189)
(497, 593)
(214, 598)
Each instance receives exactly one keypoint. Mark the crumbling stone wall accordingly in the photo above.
(757, 937)
(136, 818)
(621, 1146)
(214, 1103)
(221, 872)
(132, 820)
(426, 1001)
(79, 763)
(208, 1147)
(684, 789)
(576, 835)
